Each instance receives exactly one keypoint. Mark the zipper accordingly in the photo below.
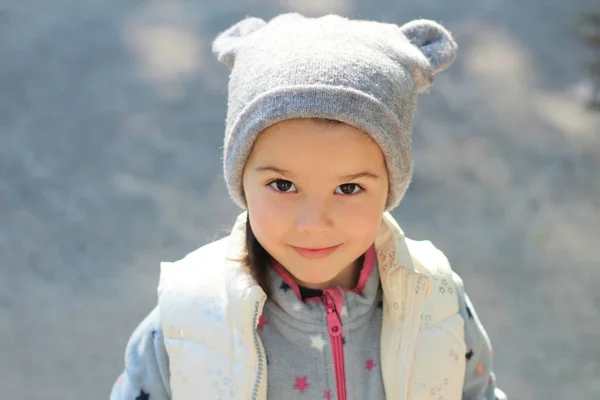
(334, 325)
(258, 348)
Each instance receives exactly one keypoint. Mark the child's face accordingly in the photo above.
(311, 202)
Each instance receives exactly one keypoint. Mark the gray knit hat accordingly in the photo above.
(363, 73)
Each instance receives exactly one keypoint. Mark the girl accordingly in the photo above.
(316, 293)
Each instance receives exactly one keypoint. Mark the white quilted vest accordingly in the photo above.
(210, 305)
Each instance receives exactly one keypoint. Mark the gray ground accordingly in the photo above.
(111, 119)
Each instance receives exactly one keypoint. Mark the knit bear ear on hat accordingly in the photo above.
(436, 44)
(227, 43)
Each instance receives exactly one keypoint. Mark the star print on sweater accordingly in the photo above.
(284, 286)
(262, 321)
(317, 342)
(301, 383)
(469, 354)
(370, 365)
(344, 312)
(143, 396)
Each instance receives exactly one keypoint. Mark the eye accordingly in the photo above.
(349, 189)
(281, 185)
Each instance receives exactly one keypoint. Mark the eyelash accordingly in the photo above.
(270, 184)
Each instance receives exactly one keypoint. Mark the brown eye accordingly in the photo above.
(281, 185)
(350, 189)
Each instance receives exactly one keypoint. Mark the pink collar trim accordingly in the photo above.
(365, 273)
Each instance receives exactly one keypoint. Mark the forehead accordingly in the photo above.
(310, 138)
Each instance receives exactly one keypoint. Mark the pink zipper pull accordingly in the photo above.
(333, 318)
(334, 324)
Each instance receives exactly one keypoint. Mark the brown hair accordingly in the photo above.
(256, 258)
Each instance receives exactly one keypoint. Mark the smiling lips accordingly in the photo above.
(315, 253)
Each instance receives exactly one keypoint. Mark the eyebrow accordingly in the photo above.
(362, 174)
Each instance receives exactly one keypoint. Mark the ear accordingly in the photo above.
(227, 43)
(434, 41)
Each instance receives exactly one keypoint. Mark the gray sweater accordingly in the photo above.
(295, 333)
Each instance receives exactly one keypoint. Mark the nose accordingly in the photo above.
(314, 218)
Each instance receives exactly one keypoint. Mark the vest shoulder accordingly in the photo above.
(199, 267)
(428, 258)
(442, 301)
(211, 250)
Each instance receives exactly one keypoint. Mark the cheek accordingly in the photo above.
(364, 228)
(362, 223)
(268, 219)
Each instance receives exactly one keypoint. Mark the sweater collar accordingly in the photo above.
(306, 304)
(369, 259)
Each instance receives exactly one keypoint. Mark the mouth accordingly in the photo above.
(315, 253)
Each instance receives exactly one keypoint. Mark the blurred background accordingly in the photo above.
(111, 125)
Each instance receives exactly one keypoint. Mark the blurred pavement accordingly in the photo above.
(111, 122)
